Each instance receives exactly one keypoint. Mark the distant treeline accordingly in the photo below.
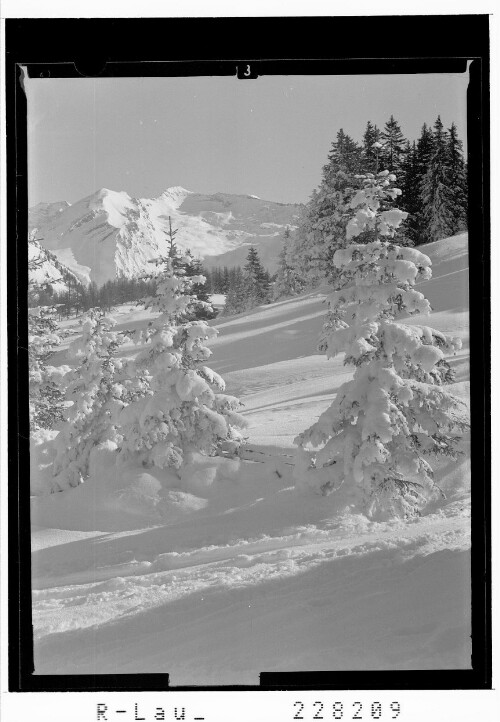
(79, 298)
(431, 174)
(244, 288)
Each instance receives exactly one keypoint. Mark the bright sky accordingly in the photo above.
(269, 137)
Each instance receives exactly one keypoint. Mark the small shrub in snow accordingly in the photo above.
(96, 397)
(376, 437)
(181, 408)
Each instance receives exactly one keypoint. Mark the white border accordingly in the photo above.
(237, 8)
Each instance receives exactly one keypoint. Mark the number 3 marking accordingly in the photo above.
(248, 72)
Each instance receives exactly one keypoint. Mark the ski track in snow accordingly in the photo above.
(166, 573)
(260, 577)
(123, 604)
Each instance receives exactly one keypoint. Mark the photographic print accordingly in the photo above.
(247, 369)
(249, 378)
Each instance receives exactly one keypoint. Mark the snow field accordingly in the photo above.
(229, 570)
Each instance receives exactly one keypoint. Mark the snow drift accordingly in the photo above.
(227, 570)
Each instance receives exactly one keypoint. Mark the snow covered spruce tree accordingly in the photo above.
(288, 281)
(182, 409)
(373, 442)
(45, 396)
(203, 311)
(96, 397)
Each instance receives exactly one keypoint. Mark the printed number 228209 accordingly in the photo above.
(339, 710)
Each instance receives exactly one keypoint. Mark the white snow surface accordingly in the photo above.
(45, 271)
(229, 570)
(67, 258)
(218, 299)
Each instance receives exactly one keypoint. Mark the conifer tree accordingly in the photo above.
(235, 273)
(288, 282)
(344, 153)
(415, 167)
(393, 146)
(411, 202)
(371, 137)
(195, 268)
(457, 180)
(45, 396)
(322, 227)
(225, 280)
(182, 409)
(256, 279)
(236, 298)
(436, 191)
(425, 149)
(95, 395)
(371, 447)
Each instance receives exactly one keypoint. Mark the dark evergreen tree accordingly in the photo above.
(225, 280)
(437, 193)
(371, 138)
(71, 301)
(256, 280)
(92, 296)
(457, 180)
(235, 273)
(411, 202)
(415, 169)
(215, 280)
(322, 226)
(236, 299)
(393, 148)
(107, 296)
(346, 154)
(425, 149)
(208, 283)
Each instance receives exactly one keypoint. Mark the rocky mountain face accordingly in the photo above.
(110, 234)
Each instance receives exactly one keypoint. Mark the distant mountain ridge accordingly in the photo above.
(110, 234)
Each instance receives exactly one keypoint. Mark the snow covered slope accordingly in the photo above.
(47, 269)
(115, 235)
(230, 570)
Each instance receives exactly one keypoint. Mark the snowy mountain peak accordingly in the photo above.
(113, 234)
(116, 204)
(175, 193)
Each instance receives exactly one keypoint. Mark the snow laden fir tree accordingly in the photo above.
(183, 409)
(45, 396)
(96, 393)
(373, 443)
